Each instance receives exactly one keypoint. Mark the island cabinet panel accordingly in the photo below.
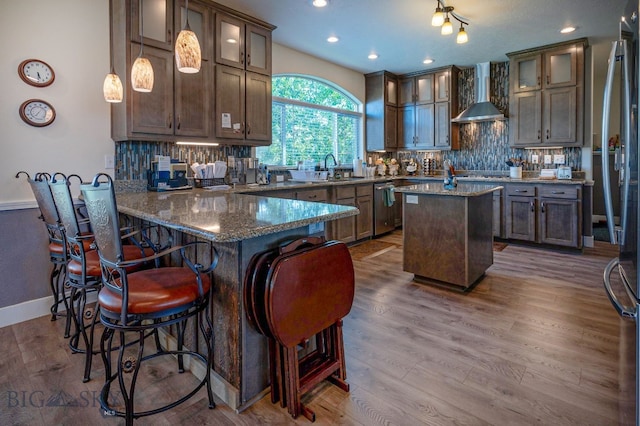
(446, 239)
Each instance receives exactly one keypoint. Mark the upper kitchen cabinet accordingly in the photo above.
(547, 95)
(427, 103)
(156, 18)
(181, 106)
(381, 112)
(243, 45)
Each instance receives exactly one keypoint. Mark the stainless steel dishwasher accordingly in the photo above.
(383, 216)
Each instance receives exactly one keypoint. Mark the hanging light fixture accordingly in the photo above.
(141, 71)
(188, 56)
(441, 19)
(112, 86)
(462, 35)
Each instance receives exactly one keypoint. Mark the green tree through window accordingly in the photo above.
(311, 119)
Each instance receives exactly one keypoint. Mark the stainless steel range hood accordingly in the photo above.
(482, 109)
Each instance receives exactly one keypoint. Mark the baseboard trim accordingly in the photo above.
(31, 309)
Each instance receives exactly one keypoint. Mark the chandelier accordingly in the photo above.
(441, 19)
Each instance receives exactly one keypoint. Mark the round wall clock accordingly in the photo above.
(36, 72)
(37, 112)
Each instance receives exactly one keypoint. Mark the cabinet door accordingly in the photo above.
(424, 88)
(497, 214)
(442, 125)
(525, 123)
(397, 207)
(560, 222)
(390, 127)
(521, 218)
(559, 115)
(258, 42)
(156, 20)
(442, 86)
(345, 228)
(526, 73)
(406, 131)
(364, 221)
(193, 103)
(258, 107)
(153, 112)
(560, 67)
(230, 103)
(425, 132)
(391, 91)
(199, 22)
(407, 91)
(229, 41)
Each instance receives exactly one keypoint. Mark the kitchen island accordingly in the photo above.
(237, 226)
(448, 236)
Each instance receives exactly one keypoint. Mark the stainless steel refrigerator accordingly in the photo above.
(620, 276)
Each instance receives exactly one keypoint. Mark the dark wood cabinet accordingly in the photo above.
(357, 227)
(426, 107)
(546, 214)
(185, 106)
(364, 203)
(547, 95)
(381, 112)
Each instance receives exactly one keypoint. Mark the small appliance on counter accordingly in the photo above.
(167, 176)
(564, 172)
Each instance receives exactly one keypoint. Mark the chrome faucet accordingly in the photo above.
(335, 163)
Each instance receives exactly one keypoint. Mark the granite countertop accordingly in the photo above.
(463, 189)
(227, 217)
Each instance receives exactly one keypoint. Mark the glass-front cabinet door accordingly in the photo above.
(527, 73)
(258, 42)
(560, 67)
(155, 18)
(229, 41)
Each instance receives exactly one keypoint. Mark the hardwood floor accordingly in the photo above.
(535, 342)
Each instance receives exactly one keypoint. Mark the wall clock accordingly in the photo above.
(37, 112)
(36, 72)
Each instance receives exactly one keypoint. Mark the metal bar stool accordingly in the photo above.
(57, 245)
(135, 303)
(83, 269)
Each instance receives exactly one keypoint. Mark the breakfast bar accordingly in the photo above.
(447, 234)
(238, 226)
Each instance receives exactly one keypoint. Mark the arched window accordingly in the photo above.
(311, 119)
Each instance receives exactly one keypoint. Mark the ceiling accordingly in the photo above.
(400, 31)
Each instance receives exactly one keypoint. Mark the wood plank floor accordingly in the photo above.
(535, 342)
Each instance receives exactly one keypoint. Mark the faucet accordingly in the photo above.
(335, 163)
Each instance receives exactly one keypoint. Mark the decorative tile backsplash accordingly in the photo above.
(134, 158)
(485, 145)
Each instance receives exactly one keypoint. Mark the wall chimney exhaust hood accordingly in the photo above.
(482, 109)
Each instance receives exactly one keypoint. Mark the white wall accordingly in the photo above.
(73, 37)
(290, 61)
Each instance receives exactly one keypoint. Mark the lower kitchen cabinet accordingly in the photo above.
(545, 214)
(356, 227)
(364, 203)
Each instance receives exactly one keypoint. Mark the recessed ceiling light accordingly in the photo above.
(567, 30)
(373, 56)
(427, 61)
(333, 39)
(319, 3)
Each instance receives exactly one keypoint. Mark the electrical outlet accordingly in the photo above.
(279, 178)
(558, 159)
(109, 162)
(547, 159)
(534, 159)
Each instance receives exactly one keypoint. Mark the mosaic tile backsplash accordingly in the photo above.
(134, 158)
(485, 145)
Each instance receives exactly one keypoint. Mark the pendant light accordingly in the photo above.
(447, 27)
(188, 56)
(462, 35)
(112, 86)
(441, 18)
(142, 71)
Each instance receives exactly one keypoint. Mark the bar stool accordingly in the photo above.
(142, 302)
(83, 269)
(57, 245)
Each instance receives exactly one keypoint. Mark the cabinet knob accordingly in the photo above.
(542, 206)
(241, 57)
(538, 81)
(248, 59)
(548, 79)
(533, 206)
(178, 125)
(538, 134)
(169, 122)
(248, 129)
(547, 134)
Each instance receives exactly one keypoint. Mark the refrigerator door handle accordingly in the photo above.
(626, 155)
(606, 108)
(623, 311)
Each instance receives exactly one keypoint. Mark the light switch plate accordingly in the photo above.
(547, 159)
(109, 162)
(534, 159)
(558, 159)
